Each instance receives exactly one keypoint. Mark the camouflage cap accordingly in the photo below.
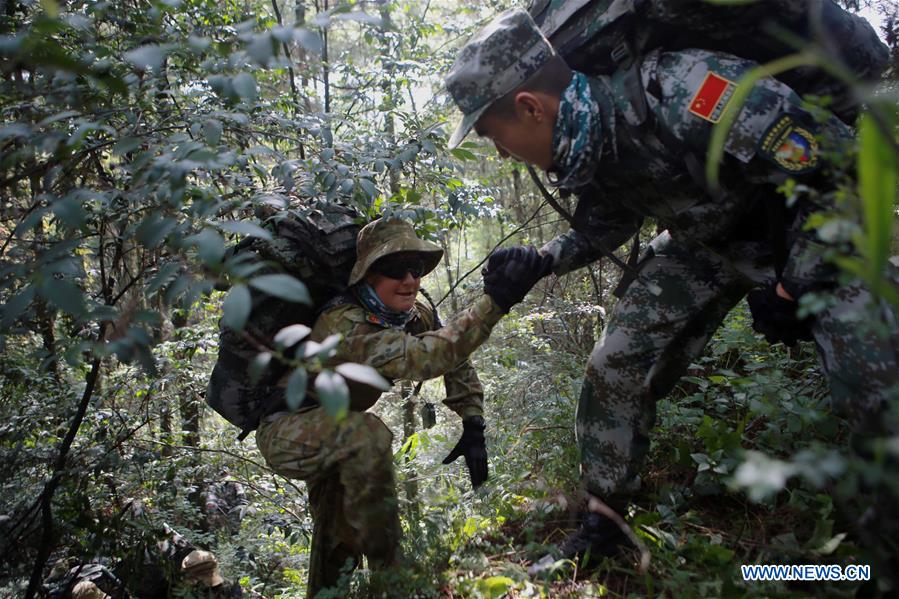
(499, 58)
(387, 236)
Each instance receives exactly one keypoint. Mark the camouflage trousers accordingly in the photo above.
(651, 340)
(348, 469)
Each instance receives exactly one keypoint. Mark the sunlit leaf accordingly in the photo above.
(877, 179)
(291, 335)
(296, 388)
(362, 373)
(333, 394)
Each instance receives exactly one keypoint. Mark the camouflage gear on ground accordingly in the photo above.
(715, 249)
(201, 567)
(387, 236)
(82, 581)
(499, 58)
(348, 466)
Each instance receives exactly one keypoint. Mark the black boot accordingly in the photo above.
(596, 538)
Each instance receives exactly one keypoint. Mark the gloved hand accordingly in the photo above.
(775, 317)
(473, 446)
(511, 272)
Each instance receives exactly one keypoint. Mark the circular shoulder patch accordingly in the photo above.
(790, 145)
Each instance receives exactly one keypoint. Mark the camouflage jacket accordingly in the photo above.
(421, 351)
(643, 173)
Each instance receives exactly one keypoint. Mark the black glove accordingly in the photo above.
(511, 272)
(473, 446)
(775, 317)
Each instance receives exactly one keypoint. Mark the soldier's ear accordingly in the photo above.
(530, 107)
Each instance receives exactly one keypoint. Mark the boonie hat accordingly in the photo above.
(387, 236)
(499, 58)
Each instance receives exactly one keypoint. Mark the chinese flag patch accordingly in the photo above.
(713, 97)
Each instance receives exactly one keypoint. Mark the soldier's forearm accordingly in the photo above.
(434, 353)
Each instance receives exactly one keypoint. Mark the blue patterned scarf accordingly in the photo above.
(577, 136)
(371, 302)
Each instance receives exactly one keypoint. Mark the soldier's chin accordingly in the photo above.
(404, 302)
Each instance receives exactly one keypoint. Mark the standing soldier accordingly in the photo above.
(514, 90)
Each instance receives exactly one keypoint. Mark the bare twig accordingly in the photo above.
(501, 241)
(46, 498)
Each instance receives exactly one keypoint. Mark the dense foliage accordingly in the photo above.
(140, 139)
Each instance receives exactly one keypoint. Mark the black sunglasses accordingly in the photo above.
(396, 267)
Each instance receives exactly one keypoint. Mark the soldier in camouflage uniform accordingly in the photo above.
(348, 465)
(516, 91)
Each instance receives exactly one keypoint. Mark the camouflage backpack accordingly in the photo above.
(317, 245)
(609, 36)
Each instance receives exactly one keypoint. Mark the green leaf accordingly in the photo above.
(364, 374)
(126, 145)
(210, 246)
(370, 189)
(291, 335)
(463, 154)
(164, 275)
(63, 294)
(262, 48)
(16, 305)
(258, 366)
(70, 211)
(296, 388)
(283, 286)
(154, 229)
(245, 86)
(877, 181)
(212, 131)
(308, 39)
(333, 394)
(495, 586)
(236, 307)
(245, 228)
(150, 56)
(51, 8)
